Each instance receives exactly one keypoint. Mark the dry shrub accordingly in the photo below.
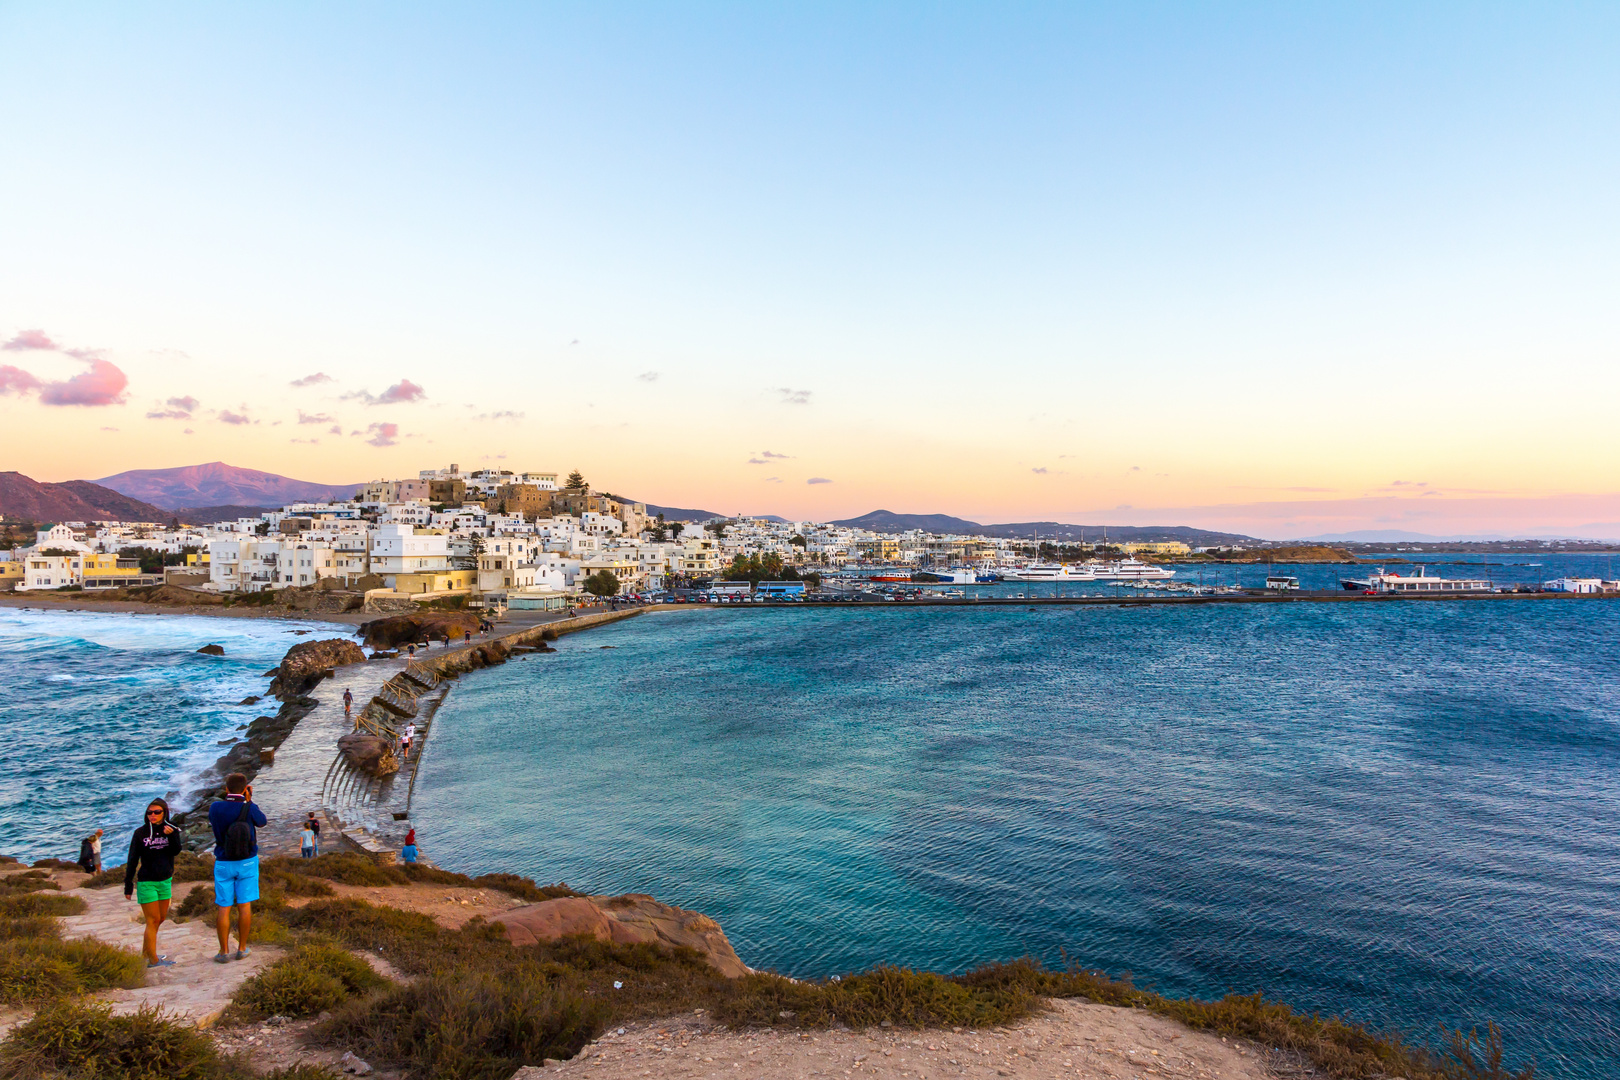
(523, 888)
(188, 866)
(315, 977)
(196, 902)
(345, 868)
(34, 926)
(89, 1042)
(57, 864)
(23, 905)
(28, 881)
(39, 968)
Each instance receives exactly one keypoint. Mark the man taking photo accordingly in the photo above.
(235, 821)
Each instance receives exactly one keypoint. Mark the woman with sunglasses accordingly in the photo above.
(149, 873)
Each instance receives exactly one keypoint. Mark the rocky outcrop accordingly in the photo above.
(212, 650)
(629, 919)
(307, 664)
(369, 753)
(421, 626)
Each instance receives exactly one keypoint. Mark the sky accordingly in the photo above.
(1279, 268)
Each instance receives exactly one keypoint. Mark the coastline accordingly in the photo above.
(76, 602)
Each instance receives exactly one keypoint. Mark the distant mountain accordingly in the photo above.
(208, 515)
(675, 513)
(884, 521)
(25, 499)
(219, 484)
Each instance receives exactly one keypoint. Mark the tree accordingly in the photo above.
(659, 533)
(718, 528)
(799, 541)
(602, 583)
(676, 528)
(576, 481)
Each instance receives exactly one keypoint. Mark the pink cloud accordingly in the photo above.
(318, 418)
(103, 384)
(335, 429)
(29, 339)
(401, 393)
(14, 380)
(312, 380)
(383, 434)
(228, 417)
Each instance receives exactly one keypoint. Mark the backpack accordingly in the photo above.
(239, 837)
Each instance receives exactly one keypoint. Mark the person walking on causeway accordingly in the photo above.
(149, 873)
(234, 820)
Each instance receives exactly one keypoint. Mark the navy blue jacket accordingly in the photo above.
(222, 814)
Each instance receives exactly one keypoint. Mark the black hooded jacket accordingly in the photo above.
(151, 853)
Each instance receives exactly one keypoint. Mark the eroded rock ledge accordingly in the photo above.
(629, 919)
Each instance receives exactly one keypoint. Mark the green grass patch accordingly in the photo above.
(315, 977)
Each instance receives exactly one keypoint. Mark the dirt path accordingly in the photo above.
(1073, 1039)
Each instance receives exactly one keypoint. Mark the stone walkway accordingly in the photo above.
(291, 787)
(195, 987)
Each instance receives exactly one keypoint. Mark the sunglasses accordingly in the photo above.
(159, 813)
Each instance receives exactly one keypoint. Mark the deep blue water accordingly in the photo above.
(102, 712)
(1407, 813)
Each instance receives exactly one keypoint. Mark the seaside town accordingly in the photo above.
(506, 540)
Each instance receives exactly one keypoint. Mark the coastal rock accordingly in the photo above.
(631, 919)
(369, 753)
(308, 662)
(212, 650)
(392, 631)
(251, 699)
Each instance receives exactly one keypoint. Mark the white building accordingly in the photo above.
(399, 549)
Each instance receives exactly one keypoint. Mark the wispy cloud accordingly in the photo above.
(778, 457)
(29, 339)
(793, 397)
(306, 442)
(312, 380)
(818, 480)
(316, 418)
(757, 461)
(504, 414)
(335, 429)
(14, 380)
(1039, 470)
(178, 408)
(226, 416)
(647, 376)
(401, 393)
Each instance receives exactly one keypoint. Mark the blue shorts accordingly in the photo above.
(236, 882)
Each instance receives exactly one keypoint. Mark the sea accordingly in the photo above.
(1406, 814)
(102, 711)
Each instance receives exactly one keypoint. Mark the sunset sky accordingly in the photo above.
(1287, 269)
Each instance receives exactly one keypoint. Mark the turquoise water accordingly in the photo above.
(102, 712)
(1403, 813)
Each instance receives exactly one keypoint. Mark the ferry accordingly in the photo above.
(1419, 582)
(1049, 572)
(1128, 570)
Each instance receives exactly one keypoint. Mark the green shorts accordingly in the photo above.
(148, 891)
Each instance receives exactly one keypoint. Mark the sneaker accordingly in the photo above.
(222, 958)
(243, 952)
(162, 961)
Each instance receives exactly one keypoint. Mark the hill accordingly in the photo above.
(207, 515)
(23, 498)
(675, 513)
(885, 521)
(219, 484)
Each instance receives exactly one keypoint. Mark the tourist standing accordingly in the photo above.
(313, 824)
(234, 820)
(306, 842)
(348, 700)
(87, 854)
(149, 874)
(408, 737)
(408, 852)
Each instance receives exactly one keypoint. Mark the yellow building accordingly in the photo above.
(1156, 547)
(10, 574)
(882, 549)
(102, 571)
(433, 581)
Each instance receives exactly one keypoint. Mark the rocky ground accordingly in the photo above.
(1074, 1040)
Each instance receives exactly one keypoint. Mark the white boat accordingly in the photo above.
(956, 575)
(1420, 582)
(1049, 572)
(1128, 570)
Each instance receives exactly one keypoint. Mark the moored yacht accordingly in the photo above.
(1128, 570)
(1049, 572)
